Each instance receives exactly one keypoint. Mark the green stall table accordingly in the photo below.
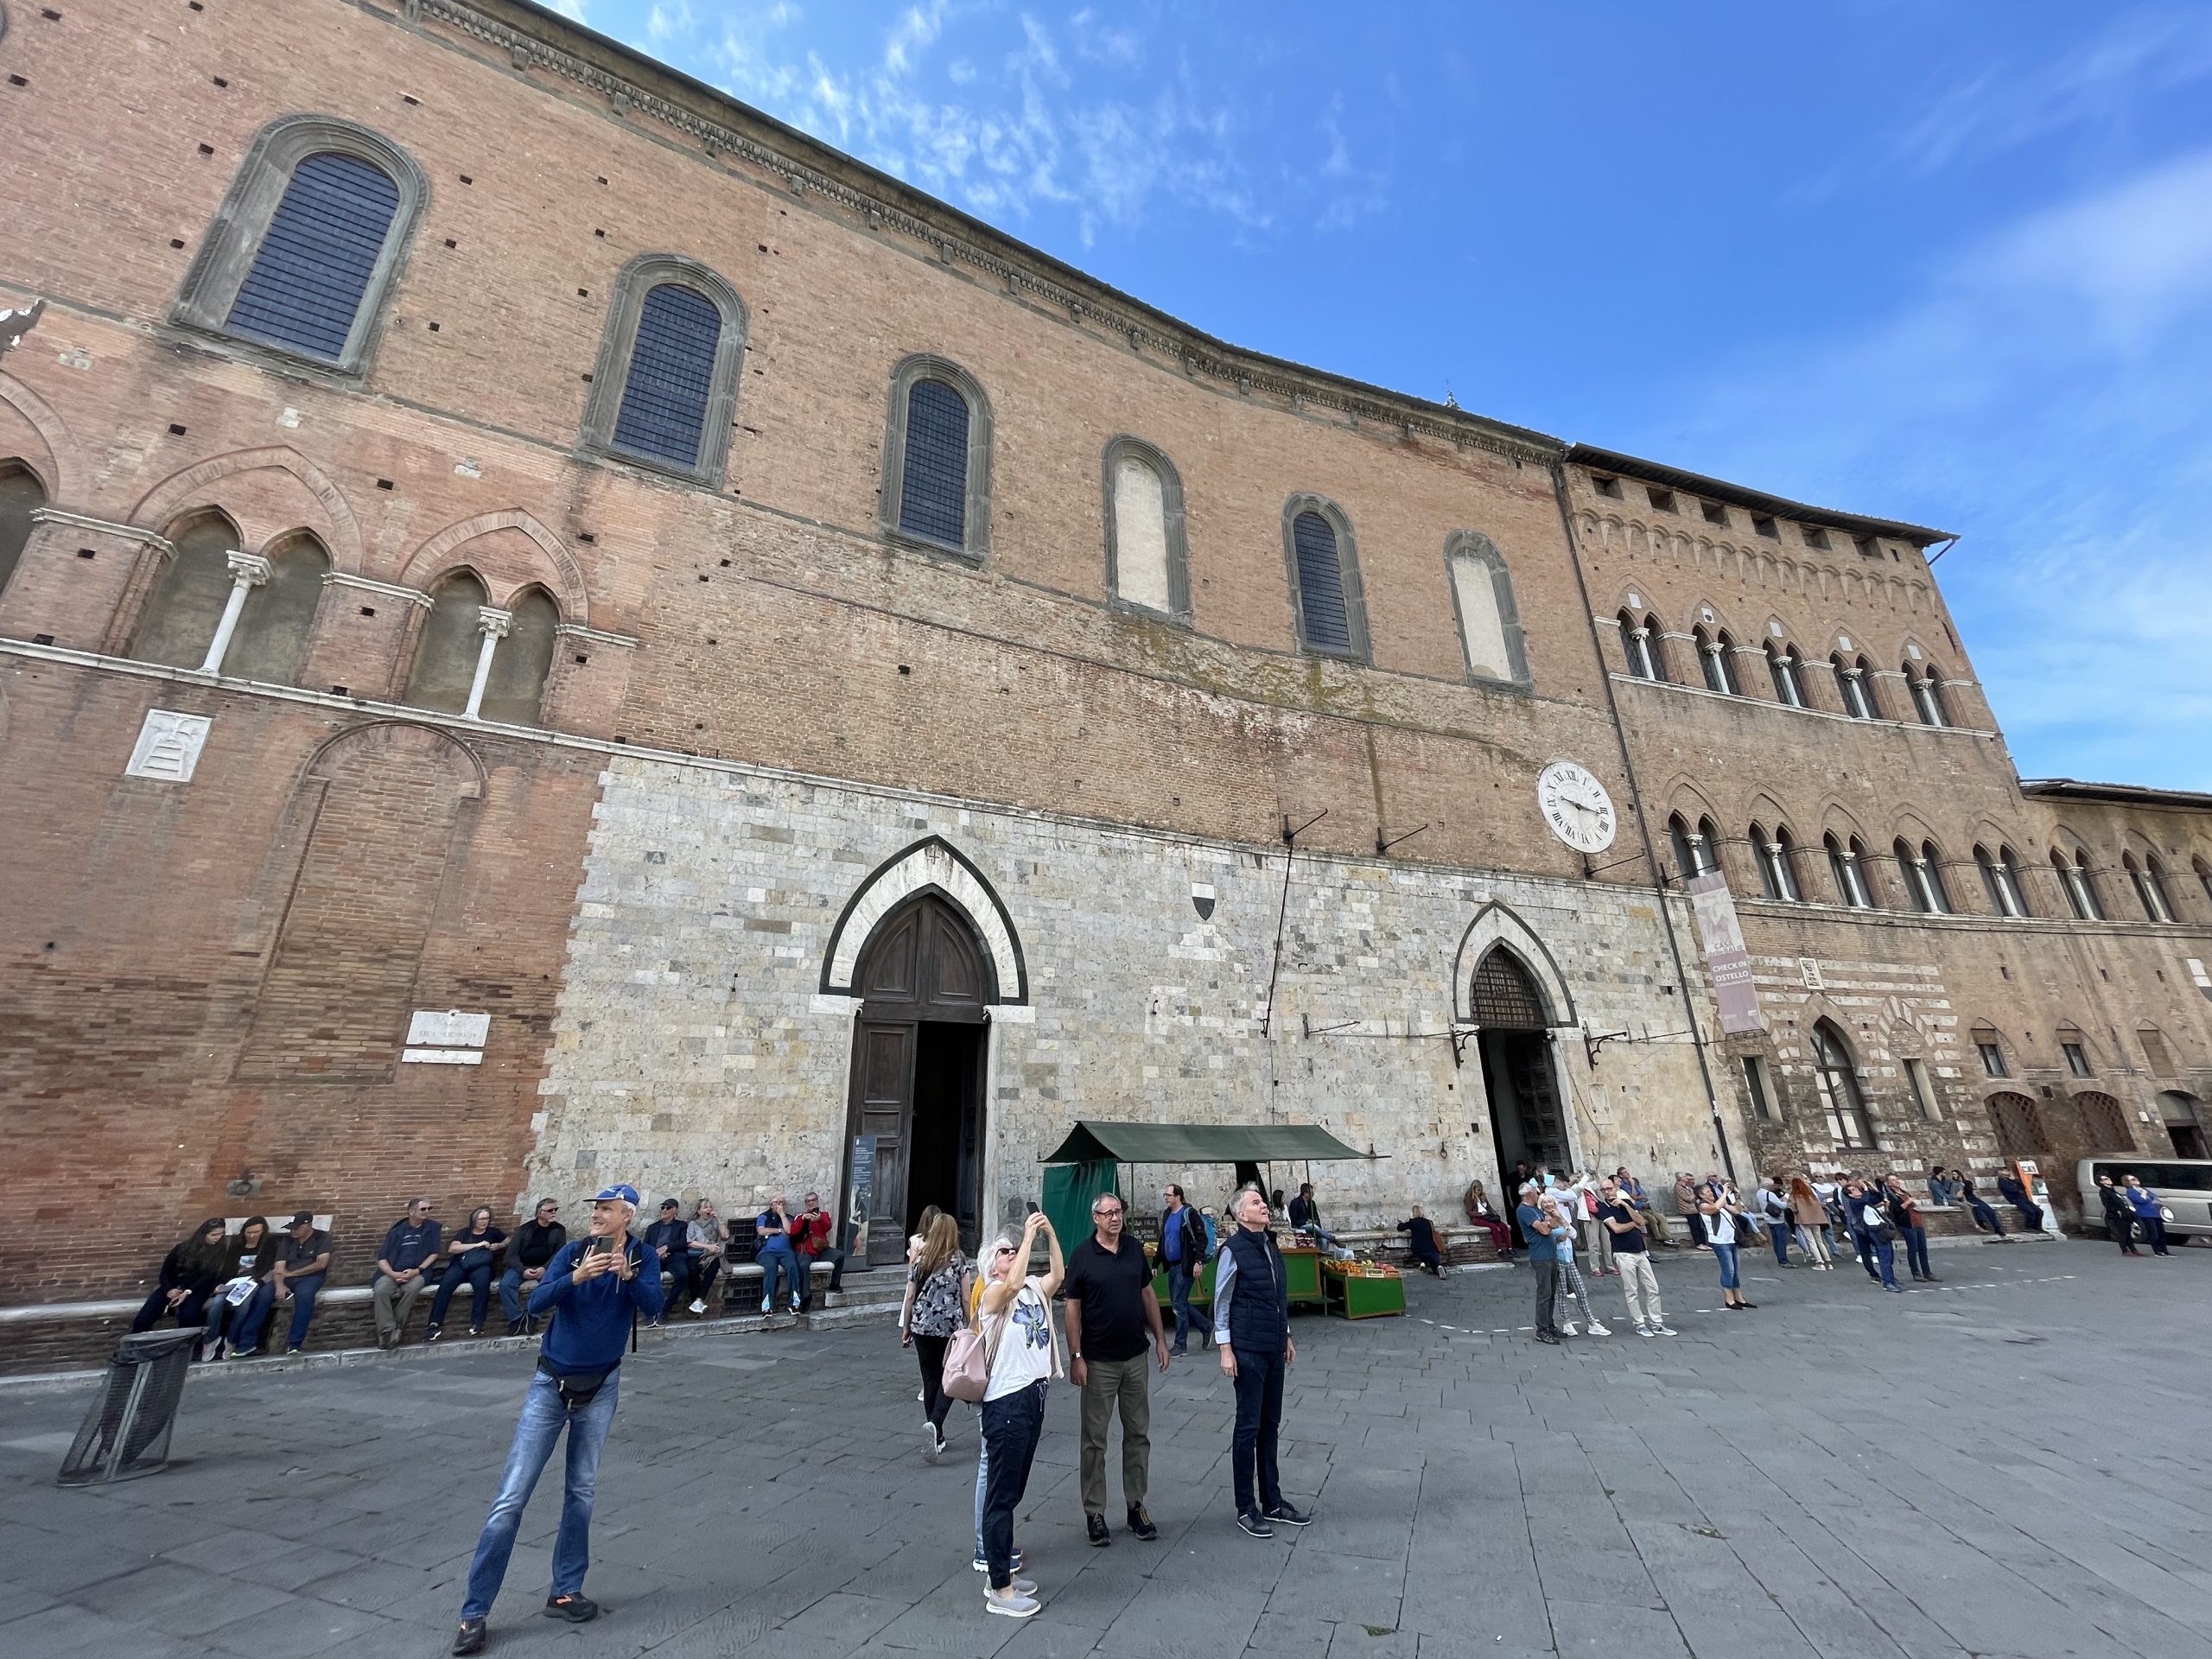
(1353, 1295)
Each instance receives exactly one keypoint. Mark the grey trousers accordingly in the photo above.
(394, 1301)
(1109, 1385)
(1547, 1287)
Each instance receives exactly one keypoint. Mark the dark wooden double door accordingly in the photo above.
(917, 1071)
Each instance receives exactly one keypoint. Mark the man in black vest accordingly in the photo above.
(1251, 1327)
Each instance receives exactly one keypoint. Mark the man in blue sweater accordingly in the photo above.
(595, 1287)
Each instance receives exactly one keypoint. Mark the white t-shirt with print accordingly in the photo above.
(1025, 1353)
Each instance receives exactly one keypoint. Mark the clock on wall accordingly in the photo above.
(1575, 806)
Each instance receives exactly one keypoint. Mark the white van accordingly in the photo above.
(2184, 1186)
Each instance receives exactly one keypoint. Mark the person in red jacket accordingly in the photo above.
(811, 1231)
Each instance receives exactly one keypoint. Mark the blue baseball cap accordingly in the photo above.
(623, 1191)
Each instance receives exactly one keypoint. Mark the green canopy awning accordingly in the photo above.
(1200, 1143)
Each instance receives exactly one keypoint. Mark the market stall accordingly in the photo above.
(1092, 1158)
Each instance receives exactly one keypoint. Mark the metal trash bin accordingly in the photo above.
(126, 1434)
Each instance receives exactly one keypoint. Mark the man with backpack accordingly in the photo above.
(1182, 1249)
(599, 1285)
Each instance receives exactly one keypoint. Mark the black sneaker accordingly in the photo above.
(469, 1638)
(1256, 1523)
(515, 1327)
(1288, 1515)
(433, 1332)
(1100, 1537)
(1550, 1336)
(577, 1608)
(1140, 1523)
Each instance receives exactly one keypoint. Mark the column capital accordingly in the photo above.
(247, 569)
(493, 621)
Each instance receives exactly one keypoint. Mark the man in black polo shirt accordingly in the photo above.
(1110, 1309)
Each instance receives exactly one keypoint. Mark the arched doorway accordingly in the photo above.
(917, 1070)
(2183, 1117)
(2020, 1132)
(1527, 1120)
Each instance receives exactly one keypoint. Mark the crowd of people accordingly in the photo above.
(232, 1285)
(1820, 1215)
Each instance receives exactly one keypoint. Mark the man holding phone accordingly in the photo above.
(594, 1285)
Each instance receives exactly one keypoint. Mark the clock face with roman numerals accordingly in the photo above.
(1575, 806)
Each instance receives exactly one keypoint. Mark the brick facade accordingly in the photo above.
(213, 980)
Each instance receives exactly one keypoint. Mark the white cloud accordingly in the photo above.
(2043, 392)
(2140, 54)
(573, 9)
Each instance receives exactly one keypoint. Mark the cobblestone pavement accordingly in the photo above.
(2013, 1462)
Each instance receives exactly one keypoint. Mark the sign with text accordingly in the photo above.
(860, 1203)
(1724, 953)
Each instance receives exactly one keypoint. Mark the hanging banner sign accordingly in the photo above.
(1718, 931)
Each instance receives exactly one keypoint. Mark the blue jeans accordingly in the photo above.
(1726, 1253)
(1885, 1254)
(512, 1301)
(1179, 1280)
(1259, 1422)
(1780, 1234)
(1916, 1251)
(247, 1323)
(773, 1264)
(543, 1416)
(1985, 1217)
(478, 1280)
(1012, 1424)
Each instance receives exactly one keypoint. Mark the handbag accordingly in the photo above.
(969, 1358)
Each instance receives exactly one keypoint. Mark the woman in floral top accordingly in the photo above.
(934, 1288)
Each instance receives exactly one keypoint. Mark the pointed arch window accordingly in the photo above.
(1923, 870)
(306, 246)
(482, 663)
(1504, 996)
(1847, 867)
(1788, 669)
(2147, 876)
(1695, 850)
(2203, 876)
(2000, 879)
(2079, 883)
(21, 495)
(1928, 700)
(1777, 864)
(1717, 653)
(937, 459)
(270, 643)
(1148, 562)
(1490, 636)
(1641, 645)
(1843, 1103)
(663, 391)
(1331, 612)
(193, 594)
(1851, 686)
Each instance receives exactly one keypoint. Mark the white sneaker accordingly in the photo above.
(1010, 1603)
(1660, 1330)
(795, 1307)
(1597, 1330)
(766, 1308)
(1568, 1330)
(933, 1446)
(698, 1304)
(1646, 1330)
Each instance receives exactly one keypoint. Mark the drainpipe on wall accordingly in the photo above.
(1643, 818)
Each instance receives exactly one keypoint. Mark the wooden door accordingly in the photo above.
(883, 1106)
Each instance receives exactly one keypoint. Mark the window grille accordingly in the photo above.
(1321, 584)
(933, 485)
(664, 414)
(314, 265)
(1503, 995)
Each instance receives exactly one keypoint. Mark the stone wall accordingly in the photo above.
(694, 1051)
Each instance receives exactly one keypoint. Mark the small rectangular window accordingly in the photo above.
(1662, 500)
(2156, 1052)
(1815, 537)
(1867, 546)
(1609, 487)
(1714, 512)
(1923, 1090)
(1766, 527)
(1992, 1059)
(1762, 1097)
(2077, 1059)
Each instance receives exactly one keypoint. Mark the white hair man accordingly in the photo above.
(594, 1284)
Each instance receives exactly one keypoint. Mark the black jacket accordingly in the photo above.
(182, 1270)
(533, 1246)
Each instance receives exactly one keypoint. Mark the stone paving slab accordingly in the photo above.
(2010, 1463)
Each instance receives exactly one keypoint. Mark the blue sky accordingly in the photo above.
(1944, 262)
